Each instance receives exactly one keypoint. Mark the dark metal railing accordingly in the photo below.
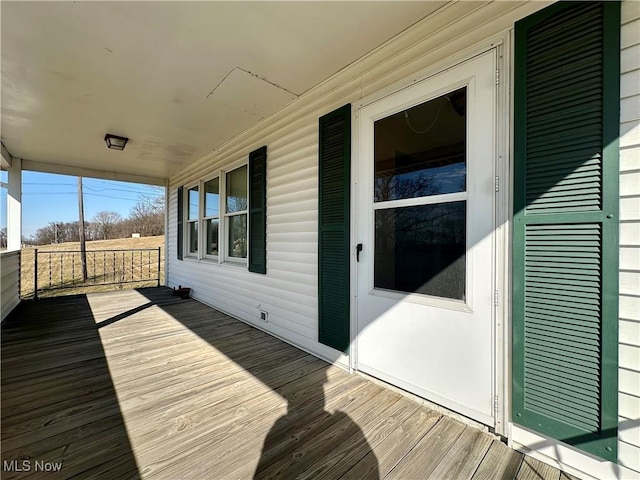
(58, 269)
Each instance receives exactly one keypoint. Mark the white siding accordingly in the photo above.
(9, 281)
(629, 330)
(289, 290)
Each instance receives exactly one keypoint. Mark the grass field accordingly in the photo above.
(108, 261)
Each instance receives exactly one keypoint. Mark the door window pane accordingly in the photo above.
(421, 249)
(421, 151)
(238, 236)
(212, 236)
(212, 198)
(192, 207)
(237, 190)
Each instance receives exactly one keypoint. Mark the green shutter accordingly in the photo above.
(565, 251)
(258, 211)
(333, 228)
(180, 227)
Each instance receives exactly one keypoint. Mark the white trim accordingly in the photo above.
(502, 236)
(428, 200)
(435, 69)
(559, 455)
(167, 198)
(6, 158)
(204, 218)
(223, 226)
(14, 205)
(385, 107)
(35, 166)
(187, 253)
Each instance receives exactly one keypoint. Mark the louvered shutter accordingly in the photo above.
(565, 251)
(258, 211)
(180, 226)
(333, 228)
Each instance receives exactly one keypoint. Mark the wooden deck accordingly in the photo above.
(141, 384)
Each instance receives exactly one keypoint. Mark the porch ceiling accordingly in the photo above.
(177, 78)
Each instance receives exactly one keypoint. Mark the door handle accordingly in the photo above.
(358, 250)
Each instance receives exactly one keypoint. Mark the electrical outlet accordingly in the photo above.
(264, 316)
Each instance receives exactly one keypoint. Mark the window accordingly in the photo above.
(4, 184)
(215, 223)
(211, 216)
(236, 203)
(216, 217)
(193, 202)
(420, 198)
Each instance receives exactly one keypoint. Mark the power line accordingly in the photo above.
(74, 193)
(140, 191)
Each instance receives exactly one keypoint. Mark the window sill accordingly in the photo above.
(214, 261)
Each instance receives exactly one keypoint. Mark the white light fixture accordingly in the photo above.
(115, 142)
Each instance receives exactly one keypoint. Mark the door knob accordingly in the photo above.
(358, 250)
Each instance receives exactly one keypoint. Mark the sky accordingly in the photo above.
(54, 198)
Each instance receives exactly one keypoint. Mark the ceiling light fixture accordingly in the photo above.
(115, 142)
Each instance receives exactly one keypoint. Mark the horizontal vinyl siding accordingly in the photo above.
(289, 289)
(629, 332)
(9, 281)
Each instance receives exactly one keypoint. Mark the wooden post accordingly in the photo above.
(35, 275)
(159, 266)
(83, 248)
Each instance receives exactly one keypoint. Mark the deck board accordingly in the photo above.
(141, 384)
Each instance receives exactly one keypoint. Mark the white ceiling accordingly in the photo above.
(177, 78)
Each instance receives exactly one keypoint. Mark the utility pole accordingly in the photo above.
(83, 249)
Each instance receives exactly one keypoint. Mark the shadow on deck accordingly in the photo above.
(139, 383)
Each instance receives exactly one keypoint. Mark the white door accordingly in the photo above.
(424, 214)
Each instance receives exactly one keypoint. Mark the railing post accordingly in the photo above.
(35, 276)
(159, 265)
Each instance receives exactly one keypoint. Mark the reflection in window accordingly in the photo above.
(236, 213)
(238, 236)
(421, 151)
(192, 205)
(237, 190)
(211, 215)
(421, 249)
(211, 198)
(193, 237)
(211, 226)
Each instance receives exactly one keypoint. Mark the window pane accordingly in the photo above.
(421, 249)
(212, 198)
(237, 190)
(212, 237)
(193, 237)
(238, 236)
(193, 204)
(421, 151)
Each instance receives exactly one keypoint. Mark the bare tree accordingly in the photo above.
(105, 224)
(147, 215)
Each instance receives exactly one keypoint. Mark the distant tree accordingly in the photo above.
(105, 225)
(3, 237)
(147, 216)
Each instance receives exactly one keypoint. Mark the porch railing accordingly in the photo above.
(62, 269)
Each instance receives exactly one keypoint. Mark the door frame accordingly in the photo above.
(502, 211)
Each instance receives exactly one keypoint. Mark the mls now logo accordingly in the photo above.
(29, 465)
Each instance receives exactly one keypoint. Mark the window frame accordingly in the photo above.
(223, 217)
(187, 253)
(224, 231)
(203, 218)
